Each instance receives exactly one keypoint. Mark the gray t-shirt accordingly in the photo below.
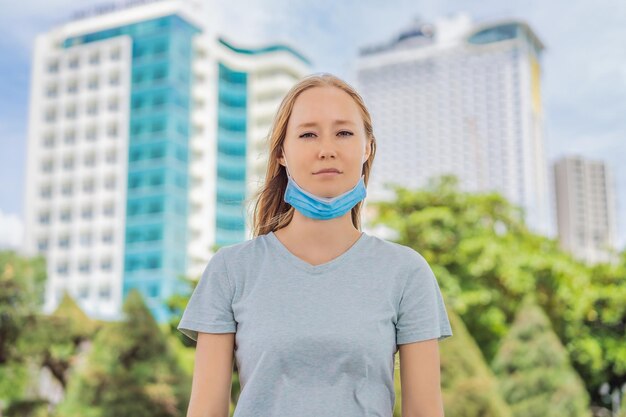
(317, 340)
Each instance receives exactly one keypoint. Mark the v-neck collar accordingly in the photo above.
(314, 269)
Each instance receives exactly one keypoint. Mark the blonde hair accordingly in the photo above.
(271, 212)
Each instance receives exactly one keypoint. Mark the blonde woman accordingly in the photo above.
(313, 309)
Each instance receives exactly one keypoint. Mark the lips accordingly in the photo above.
(327, 170)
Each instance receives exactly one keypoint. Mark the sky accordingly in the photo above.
(583, 66)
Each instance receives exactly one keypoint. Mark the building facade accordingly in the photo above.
(143, 142)
(586, 208)
(456, 97)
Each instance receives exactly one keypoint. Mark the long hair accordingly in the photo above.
(271, 212)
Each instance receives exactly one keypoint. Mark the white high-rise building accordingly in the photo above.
(586, 208)
(144, 138)
(457, 97)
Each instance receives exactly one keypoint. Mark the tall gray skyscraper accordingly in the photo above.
(462, 98)
(586, 208)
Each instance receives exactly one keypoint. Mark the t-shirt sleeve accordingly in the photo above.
(422, 314)
(209, 309)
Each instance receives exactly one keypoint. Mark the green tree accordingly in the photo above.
(486, 261)
(21, 295)
(130, 371)
(536, 377)
(59, 337)
(469, 387)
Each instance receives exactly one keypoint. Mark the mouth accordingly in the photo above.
(327, 171)
(327, 174)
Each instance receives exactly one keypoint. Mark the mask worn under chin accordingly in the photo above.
(323, 208)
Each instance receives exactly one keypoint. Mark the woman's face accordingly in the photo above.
(325, 130)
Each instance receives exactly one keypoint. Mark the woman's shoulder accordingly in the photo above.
(394, 249)
(244, 249)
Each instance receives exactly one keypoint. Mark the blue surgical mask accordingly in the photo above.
(323, 208)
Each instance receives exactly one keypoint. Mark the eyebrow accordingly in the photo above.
(336, 122)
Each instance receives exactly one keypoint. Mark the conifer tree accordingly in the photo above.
(469, 387)
(130, 371)
(536, 377)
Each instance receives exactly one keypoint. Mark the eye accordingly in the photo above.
(345, 131)
(304, 134)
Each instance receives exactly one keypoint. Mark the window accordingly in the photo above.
(134, 182)
(158, 101)
(47, 166)
(110, 183)
(90, 160)
(87, 212)
(156, 180)
(64, 242)
(91, 133)
(107, 236)
(51, 91)
(106, 264)
(66, 190)
(70, 111)
(116, 54)
(70, 136)
(83, 292)
(53, 67)
(68, 163)
(50, 115)
(45, 192)
(66, 215)
(159, 74)
(92, 84)
(84, 266)
(42, 244)
(137, 103)
(48, 140)
(44, 217)
(72, 87)
(113, 104)
(73, 63)
(160, 48)
(114, 78)
(85, 239)
(62, 268)
(88, 186)
(109, 210)
(112, 130)
(138, 77)
(92, 108)
(94, 58)
(105, 292)
(111, 156)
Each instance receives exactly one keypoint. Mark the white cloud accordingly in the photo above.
(11, 231)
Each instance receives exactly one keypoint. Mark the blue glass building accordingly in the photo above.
(158, 155)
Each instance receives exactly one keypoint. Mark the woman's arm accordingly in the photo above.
(420, 378)
(212, 375)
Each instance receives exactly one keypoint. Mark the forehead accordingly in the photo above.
(324, 105)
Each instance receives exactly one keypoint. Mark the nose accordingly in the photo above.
(327, 147)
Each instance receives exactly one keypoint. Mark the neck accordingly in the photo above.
(318, 232)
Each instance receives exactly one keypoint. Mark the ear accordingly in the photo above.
(368, 150)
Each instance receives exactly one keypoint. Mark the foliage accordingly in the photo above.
(536, 376)
(486, 261)
(130, 371)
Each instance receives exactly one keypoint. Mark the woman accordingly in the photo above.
(314, 309)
